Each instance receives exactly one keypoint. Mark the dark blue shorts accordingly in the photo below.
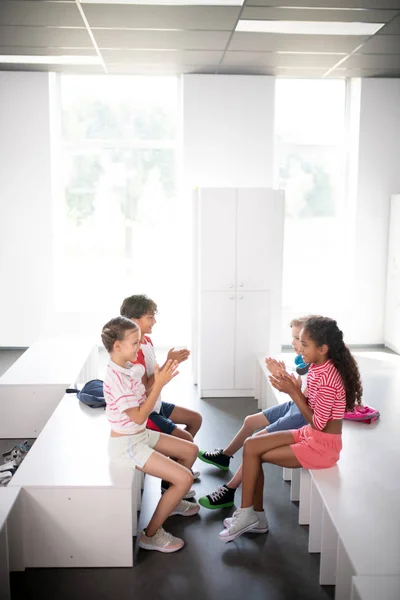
(283, 417)
(161, 421)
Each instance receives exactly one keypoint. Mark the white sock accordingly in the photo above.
(262, 519)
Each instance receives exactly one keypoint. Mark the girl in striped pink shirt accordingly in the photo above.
(132, 445)
(333, 386)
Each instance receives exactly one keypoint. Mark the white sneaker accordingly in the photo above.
(162, 541)
(262, 526)
(186, 509)
(243, 519)
(196, 474)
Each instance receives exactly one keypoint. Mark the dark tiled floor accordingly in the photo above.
(276, 566)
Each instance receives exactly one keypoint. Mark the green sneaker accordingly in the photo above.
(216, 458)
(223, 497)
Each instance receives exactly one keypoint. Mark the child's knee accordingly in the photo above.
(198, 420)
(249, 446)
(185, 480)
(249, 422)
(195, 451)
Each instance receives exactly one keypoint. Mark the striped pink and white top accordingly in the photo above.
(326, 393)
(123, 389)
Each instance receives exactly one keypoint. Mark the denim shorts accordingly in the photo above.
(283, 417)
(161, 421)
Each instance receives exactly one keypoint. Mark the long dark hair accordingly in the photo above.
(323, 330)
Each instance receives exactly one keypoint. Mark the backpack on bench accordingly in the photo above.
(91, 394)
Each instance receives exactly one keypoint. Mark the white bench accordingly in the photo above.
(376, 588)
(8, 497)
(77, 510)
(33, 386)
(354, 516)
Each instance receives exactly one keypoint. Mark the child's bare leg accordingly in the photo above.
(183, 451)
(255, 450)
(190, 418)
(181, 480)
(259, 492)
(250, 425)
(182, 434)
(236, 480)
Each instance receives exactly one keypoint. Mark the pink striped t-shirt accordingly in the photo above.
(326, 393)
(123, 389)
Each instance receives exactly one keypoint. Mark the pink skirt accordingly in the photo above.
(315, 449)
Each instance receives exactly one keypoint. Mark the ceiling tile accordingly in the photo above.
(391, 28)
(44, 36)
(367, 73)
(293, 14)
(372, 61)
(244, 70)
(75, 69)
(294, 43)
(30, 12)
(163, 57)
(131, 69)
(381, 4)
(271, 59)
(179, 40)
(382, 44)
(51, 51)
(162, 17)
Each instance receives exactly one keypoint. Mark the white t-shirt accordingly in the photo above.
(123, 389)
(147, 357)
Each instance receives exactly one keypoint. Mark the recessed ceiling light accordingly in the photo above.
(309, 27)
(49, 60)
(169, 2)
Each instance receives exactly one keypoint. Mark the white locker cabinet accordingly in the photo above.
(238, 285)
(392, 316)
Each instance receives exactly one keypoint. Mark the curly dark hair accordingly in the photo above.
(323, 330)
(135, 307)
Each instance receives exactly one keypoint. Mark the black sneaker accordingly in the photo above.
(165, 485)
(216, 458)
(303, 370)
(223, 497)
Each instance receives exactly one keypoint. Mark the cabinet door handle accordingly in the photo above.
(241, 284)
(231, 297)
(240, 297)
(231, 286)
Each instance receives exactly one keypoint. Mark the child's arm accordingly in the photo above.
(276, 368)
(140, 414)
(290, 385)
(175, 355)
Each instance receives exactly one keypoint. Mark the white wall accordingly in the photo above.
(228, 130)
(378, 176)
(25, 207)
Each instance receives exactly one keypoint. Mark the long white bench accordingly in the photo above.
(352, 509)
(76, 510)
(8, 498)
(34, 385)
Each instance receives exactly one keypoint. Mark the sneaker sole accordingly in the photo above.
(159, 549)
(187, 513)
(211, 507)
(209, 462)
(256, 530)
(232, 537)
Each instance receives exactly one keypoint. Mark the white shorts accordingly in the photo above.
(133, 450)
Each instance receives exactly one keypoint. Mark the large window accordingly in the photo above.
(310, 167)
(121, 225)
